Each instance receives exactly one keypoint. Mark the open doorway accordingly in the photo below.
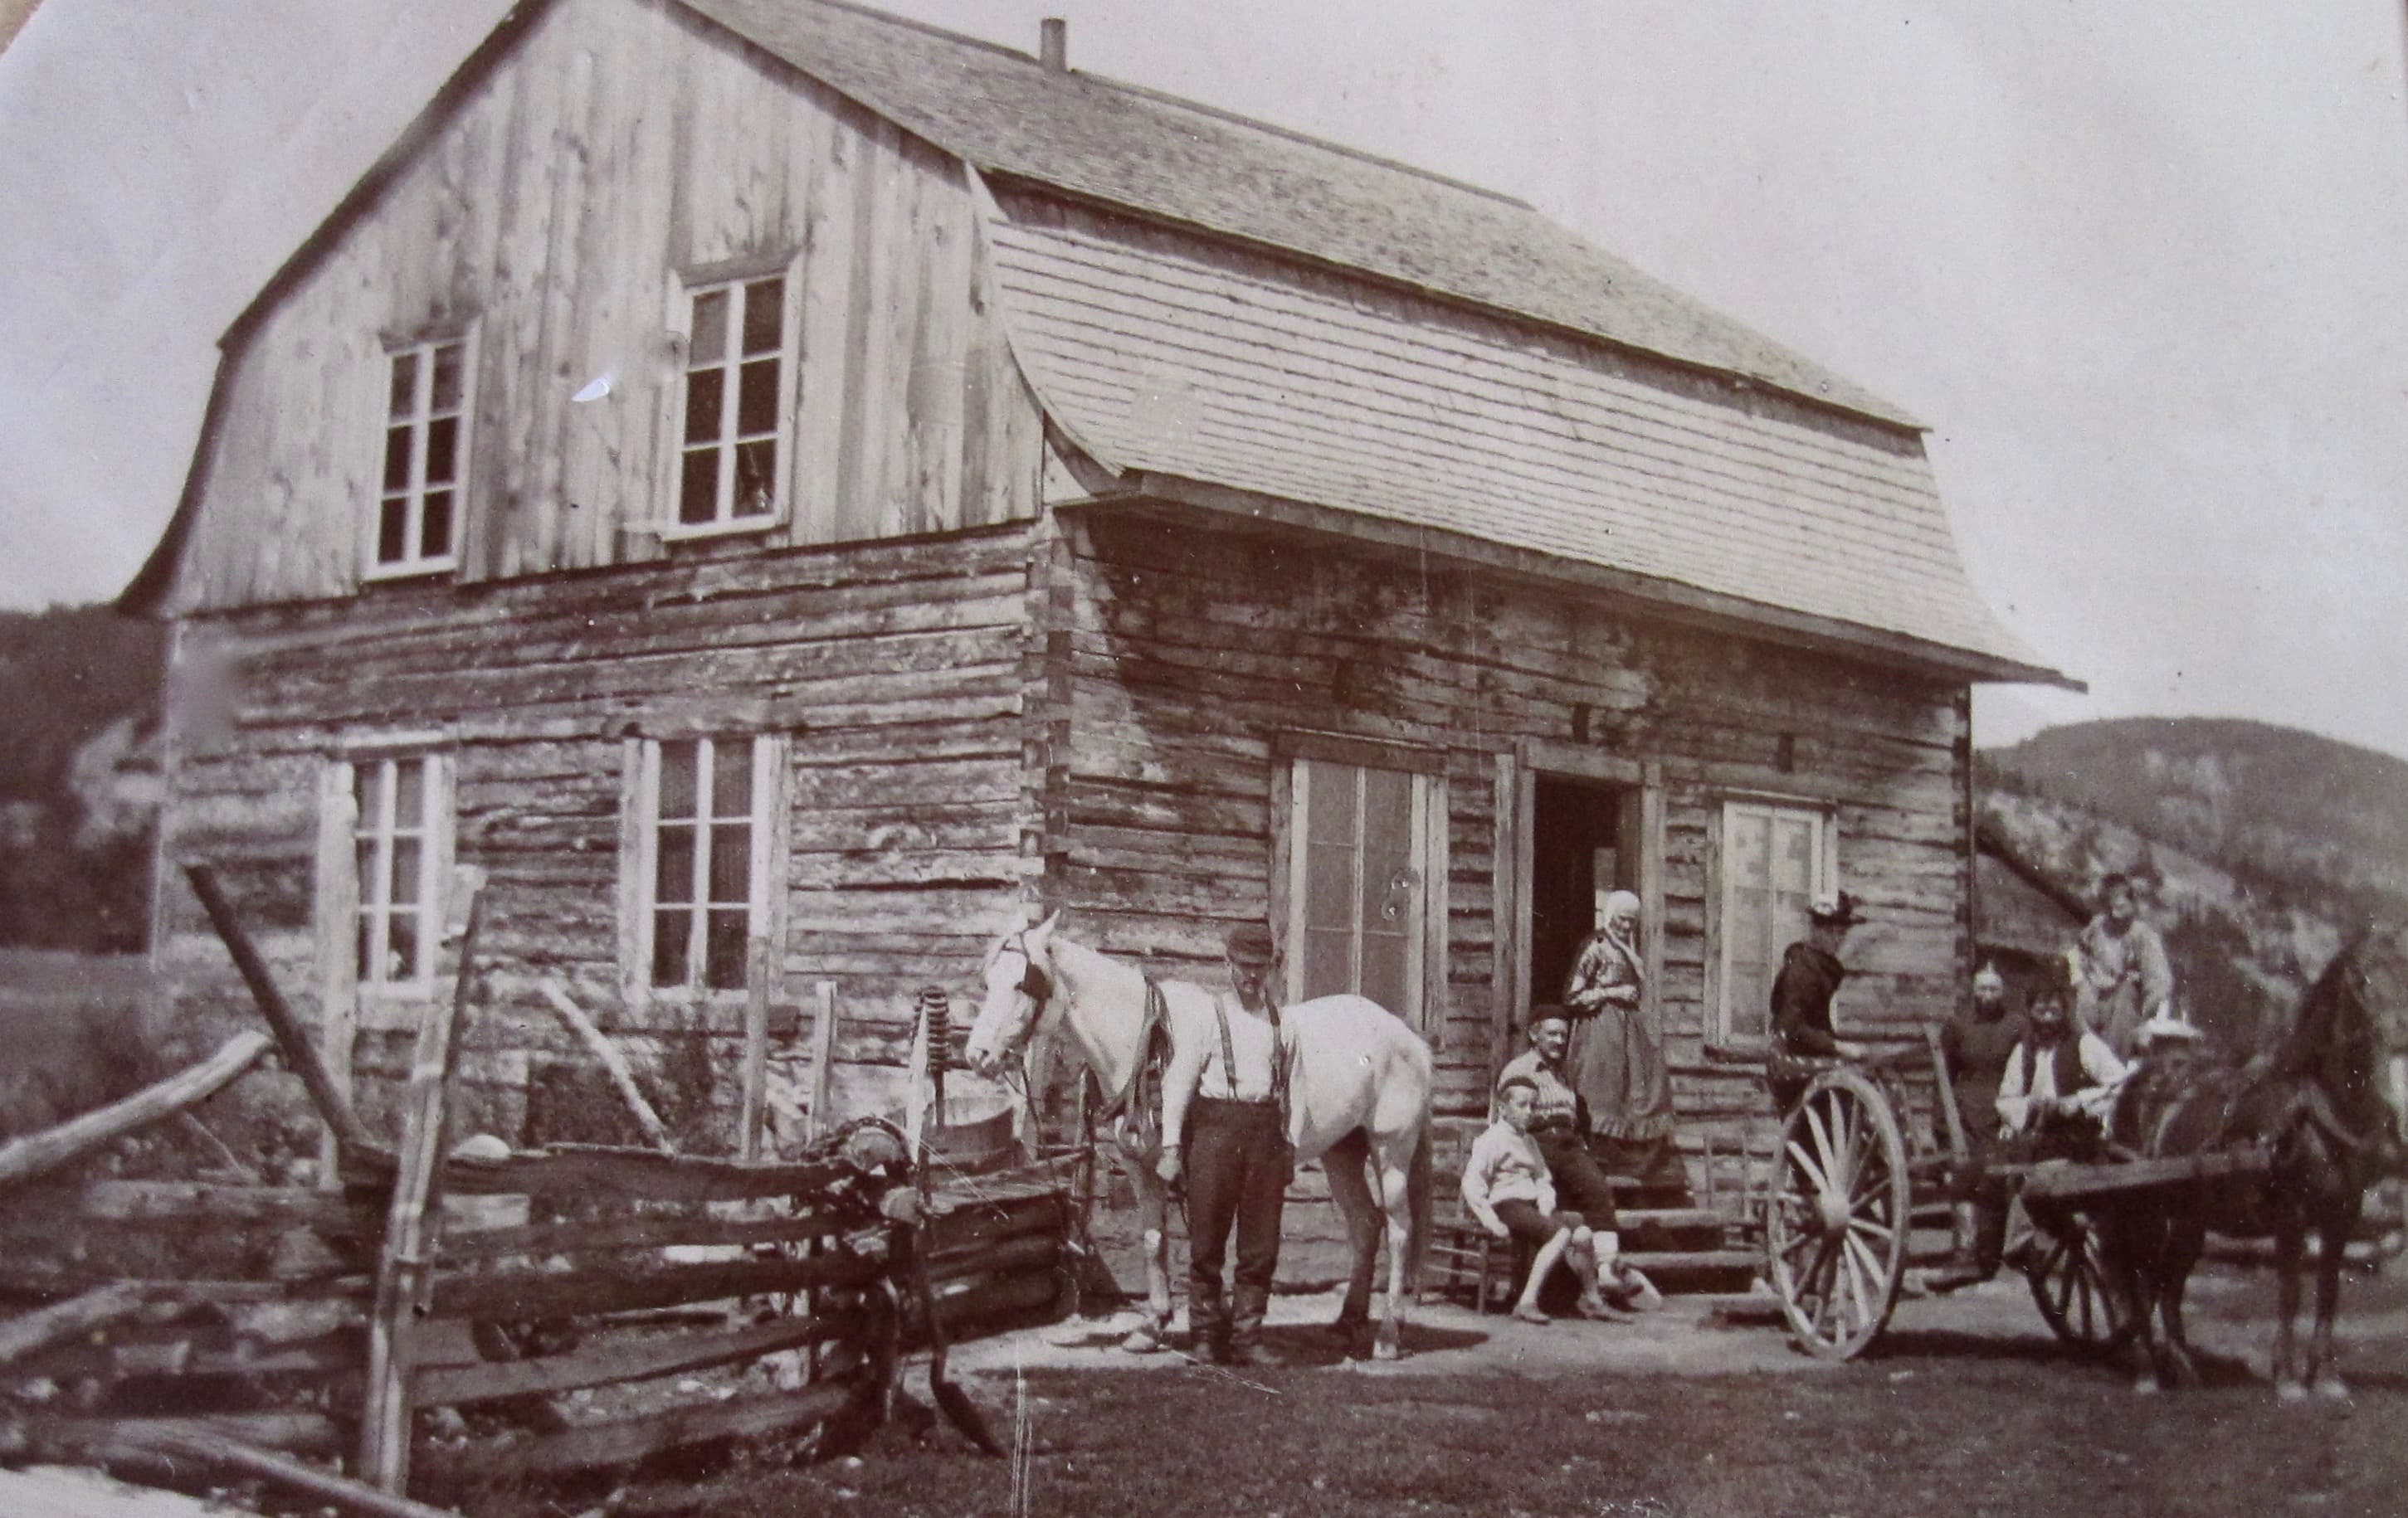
(1583, 846)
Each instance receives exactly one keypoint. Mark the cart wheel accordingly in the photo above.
(2067, 1277)
(1837, 1217)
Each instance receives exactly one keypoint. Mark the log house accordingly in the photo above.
(762, 469)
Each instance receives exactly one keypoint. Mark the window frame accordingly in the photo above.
(1721, 1035)
(422, 346)
(343, 898)
(669, 521)
(1426, 945)
(640, 859)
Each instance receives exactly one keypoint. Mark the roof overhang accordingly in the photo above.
(1665, 600)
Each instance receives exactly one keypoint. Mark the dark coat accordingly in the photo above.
(1801, 1001)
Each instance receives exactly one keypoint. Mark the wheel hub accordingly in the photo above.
(1830, 1210)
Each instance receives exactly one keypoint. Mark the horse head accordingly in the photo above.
(1019, 980)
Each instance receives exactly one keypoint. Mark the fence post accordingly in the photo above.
(756, 1046)
(413, 1223)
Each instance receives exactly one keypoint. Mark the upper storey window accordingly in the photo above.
(417, 503)
(730, 465)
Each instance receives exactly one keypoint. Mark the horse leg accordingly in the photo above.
(1395, 1159)
(2184, 1243)
(2127, 1246)
(2290, 1235)
(1350, 1188)
(2324, 1372)
(1153, 1216)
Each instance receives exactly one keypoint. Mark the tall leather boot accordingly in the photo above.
(1208, 1317)
(1246, 1345)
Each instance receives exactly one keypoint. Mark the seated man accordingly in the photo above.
(1505, 1187)
(2058, 1084)
(1808, 977)
(2054, 1100)
(1559, 1127)
(1978, 1043)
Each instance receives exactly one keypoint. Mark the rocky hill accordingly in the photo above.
(2255, 847)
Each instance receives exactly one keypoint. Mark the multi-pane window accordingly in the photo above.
(727, 469)
(1358, 883)
(1775, 861)
(417, 503)
(709, 875)
(394, 841)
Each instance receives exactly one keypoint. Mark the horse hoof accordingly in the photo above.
(1386, 1350)
(2146, 1386)
(2290, 1391)
(2332, 1389)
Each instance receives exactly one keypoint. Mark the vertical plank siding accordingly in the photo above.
(556, 215)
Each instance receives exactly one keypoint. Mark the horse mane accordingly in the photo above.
(2333, 1041)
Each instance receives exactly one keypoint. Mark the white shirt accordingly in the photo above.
(1505, 1165)
(2036, 1067)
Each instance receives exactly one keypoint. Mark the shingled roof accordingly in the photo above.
(1091, 136)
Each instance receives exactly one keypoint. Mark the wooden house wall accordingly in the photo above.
(894, 668)
(613, 148)
(1185, 646)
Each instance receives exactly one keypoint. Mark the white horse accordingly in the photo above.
(1359, 1097)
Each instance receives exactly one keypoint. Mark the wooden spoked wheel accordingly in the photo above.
(1838, 1214)
(2067, 1276)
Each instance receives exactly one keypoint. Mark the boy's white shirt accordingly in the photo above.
(1500, 1143)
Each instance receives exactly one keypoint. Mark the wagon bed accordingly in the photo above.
(1853, 1179)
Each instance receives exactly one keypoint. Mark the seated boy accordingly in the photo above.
(1505, 1185)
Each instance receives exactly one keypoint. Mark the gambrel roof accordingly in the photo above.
(1199, 299)
(1184, 162)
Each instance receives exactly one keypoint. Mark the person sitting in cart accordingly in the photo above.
(1978, 1043)
(1810, 977)
(2054, 1101)
(2060, 1081)
(2123, 979)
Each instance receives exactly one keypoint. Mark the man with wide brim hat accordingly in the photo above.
(1225, 1131)
(1810, 977)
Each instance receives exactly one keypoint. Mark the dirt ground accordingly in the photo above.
(1967, 1407)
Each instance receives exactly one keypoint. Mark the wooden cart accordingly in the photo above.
(1858, 1192)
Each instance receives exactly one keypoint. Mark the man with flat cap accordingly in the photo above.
(1225, 1128)
(1810, 977)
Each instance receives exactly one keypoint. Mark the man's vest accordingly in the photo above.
(2065, 1065)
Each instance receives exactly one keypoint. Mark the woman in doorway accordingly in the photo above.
(1616, 1061)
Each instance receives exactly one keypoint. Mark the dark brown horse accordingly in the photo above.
(2318, 1105)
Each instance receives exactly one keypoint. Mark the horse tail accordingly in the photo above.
(1417, 1207)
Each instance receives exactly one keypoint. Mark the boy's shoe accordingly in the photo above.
(1531, 1314)
(1597, 1310)
(1634, 1293)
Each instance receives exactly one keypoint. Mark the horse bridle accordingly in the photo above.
(1035, 984)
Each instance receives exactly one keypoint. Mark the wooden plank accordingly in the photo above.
(185, 1443)
(414, 1225)
(623, 1080)
(755, 1069)
(2071, 1182)
(638, 1285)
(37, 1154)
(292, 1040)
(620, 1360)
(594, 1172)
(598, 1235)
(631, 1439)
(823, 1062)
(30, 1332)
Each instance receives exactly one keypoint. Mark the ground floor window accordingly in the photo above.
(701, 869)
(1774, 860)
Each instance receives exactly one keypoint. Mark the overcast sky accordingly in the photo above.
(2142, 267)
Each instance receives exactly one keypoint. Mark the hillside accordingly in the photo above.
(2294, 818)
(2254, 847)
(82, 685)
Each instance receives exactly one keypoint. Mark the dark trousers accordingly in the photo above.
(1581, 1183)
(1237, 1174)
